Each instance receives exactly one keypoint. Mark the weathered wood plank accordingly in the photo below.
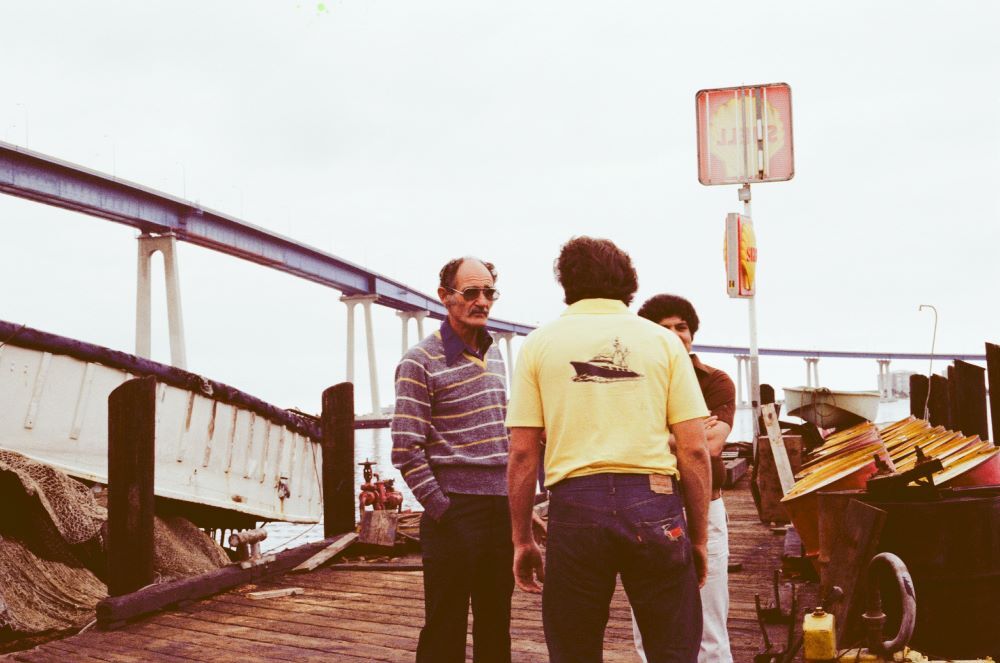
(113, 610)
(781, 462)
(379, 528)
(275, 593)
(49, 653)
(180, 627)
(123, 645)
(225, 626)
(340, 543)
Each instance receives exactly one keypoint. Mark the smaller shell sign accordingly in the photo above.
(740, 256)
(745, 134)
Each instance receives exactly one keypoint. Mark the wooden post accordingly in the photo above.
(938, 404)
(131, 458)
(919, 384)
(338, 459)
(952, 399)
(969, 414)
(781, 462)
(993, 370)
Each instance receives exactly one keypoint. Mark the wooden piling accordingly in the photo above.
(993, 370)
(338, 459)
(919, 384)
(969, 409)
(131, 459)
(952, 399)
(938, 403)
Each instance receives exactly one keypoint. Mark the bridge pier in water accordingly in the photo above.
(884, 379)
(812, 371)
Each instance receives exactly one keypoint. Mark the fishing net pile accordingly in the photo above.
(184, 550)
(52, 559)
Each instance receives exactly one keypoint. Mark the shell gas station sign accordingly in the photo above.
(745, 134)
(741, 256)
(745, 137)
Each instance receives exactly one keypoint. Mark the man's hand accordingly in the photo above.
(696, 482)
(710, 423)
(528, 566)
(522, 472)
(700, 555)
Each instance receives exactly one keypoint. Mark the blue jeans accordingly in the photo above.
(605, 524)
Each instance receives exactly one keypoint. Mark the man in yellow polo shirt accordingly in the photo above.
(608, 388)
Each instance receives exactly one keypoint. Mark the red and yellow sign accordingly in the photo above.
(741, 256)
(745, 134)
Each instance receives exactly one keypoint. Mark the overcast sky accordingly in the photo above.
(400, 134)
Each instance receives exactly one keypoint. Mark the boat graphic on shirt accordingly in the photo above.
(609, 366)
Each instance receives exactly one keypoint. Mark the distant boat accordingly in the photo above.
(216, 446)
(605, 367)
(829, 408)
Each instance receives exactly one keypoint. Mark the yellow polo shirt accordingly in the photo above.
(605, 385)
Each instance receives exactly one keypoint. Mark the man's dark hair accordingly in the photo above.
(448, 272)
(589, 268)
(667, 306)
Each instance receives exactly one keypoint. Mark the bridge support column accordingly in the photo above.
(812, 371)
(884, 380)
(366, 301)
(167, 245)
(405, 317)
(420, 315)
(507, 338)
(741, 362)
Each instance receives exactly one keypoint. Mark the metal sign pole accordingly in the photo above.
(744, 195)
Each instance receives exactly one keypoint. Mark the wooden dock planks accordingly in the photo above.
(350, 615)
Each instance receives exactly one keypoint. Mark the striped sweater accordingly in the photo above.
(448, 432)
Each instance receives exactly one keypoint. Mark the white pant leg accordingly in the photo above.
(714, 595)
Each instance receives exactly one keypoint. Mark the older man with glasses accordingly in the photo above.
(450, 444)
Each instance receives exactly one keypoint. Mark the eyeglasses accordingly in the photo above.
(472, 294)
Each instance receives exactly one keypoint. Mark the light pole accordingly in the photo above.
(930, 365)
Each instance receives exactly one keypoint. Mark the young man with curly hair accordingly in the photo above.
(678, 315)
(609, 388)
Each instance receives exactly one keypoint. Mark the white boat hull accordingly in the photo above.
(829, 408)
(218, 454)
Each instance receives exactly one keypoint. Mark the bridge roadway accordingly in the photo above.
(45, 179)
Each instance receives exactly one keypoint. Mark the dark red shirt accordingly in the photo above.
(720, 397)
